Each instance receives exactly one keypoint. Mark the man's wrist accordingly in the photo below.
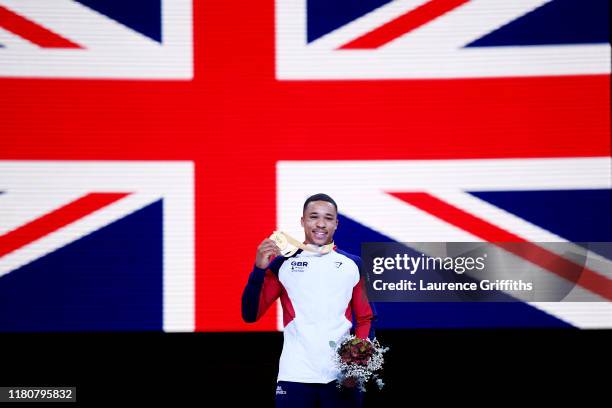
(255, 267)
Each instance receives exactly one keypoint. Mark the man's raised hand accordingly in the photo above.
(266, 252)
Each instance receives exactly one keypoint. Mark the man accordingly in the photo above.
(320, 292)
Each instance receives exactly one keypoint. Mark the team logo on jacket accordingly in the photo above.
(299, 266)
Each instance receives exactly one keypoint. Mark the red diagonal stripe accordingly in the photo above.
(32, 32)
(55, 220)
(535, 254)
(403, 24)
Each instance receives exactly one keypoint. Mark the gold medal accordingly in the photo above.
(289, 245)
(282, 243)
(279, 239)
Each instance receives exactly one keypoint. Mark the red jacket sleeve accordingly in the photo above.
(262, 289)
(363, 311)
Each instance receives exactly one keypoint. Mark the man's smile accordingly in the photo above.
(319, 234)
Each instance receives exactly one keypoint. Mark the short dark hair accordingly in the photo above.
(320, 197)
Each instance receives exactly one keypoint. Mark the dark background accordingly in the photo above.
(450, 366)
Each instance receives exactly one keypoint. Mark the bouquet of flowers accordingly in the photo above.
(359, 361)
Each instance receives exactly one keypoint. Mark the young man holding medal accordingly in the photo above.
(320, 291)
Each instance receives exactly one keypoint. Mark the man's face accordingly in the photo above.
(320, 221)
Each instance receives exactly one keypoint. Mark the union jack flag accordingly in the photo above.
(147, 147)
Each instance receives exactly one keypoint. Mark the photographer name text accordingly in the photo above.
(406, 285)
